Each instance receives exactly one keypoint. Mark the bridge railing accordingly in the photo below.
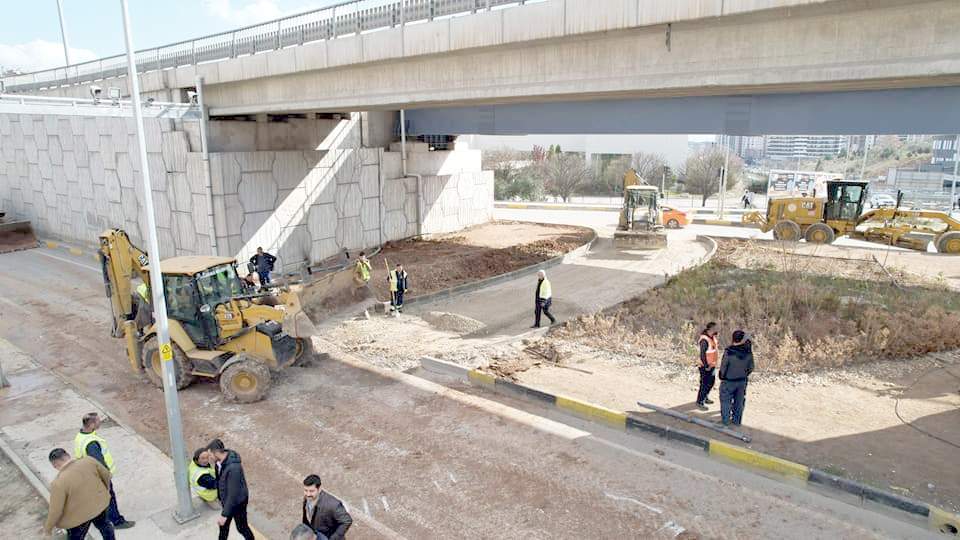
(331, 22)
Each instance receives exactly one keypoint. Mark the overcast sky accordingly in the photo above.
(30, 30)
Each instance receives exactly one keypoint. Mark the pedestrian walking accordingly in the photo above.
(735, 370)
(263, 264)
(746, 199)
(203, 477)
(323, 512)
(707, 364)
(543, 299)
(398, 286)
(89, 443)
(79, 496)
(232, 493)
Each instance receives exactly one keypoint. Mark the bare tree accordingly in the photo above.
(649, 166)
(701, 172)
(562, 173)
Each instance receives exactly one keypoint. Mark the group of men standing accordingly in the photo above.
(397, 279)
(735, 370)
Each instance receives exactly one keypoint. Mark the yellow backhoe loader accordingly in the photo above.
(821, 220)
(641, 222)
(15, 235)
(220, 326)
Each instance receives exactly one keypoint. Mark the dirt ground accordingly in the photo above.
(472, 254)
(22, 510)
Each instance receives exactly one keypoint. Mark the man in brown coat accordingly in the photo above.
(79, 496)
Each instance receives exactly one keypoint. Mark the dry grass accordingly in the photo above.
(804, 312)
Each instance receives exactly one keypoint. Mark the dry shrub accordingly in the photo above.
(800, 319)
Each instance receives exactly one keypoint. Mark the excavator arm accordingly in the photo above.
(120, 261)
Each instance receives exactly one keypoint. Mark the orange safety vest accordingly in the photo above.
(712, 352)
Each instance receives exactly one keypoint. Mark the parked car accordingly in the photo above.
(674, 218)
(882, 200)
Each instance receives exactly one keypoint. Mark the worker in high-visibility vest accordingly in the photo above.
(398, 285)
(142, 306)
(88, 443)
(203, 479)
(543, 299)
(707, 363)
(361, 270)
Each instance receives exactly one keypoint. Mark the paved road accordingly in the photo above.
(413, 459)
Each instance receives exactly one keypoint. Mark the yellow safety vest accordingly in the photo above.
(82, 440)
(545, 290)
(196, 472)
(363, 269)
(143, 292)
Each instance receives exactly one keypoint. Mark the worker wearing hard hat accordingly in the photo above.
(543, 299)
(707, 363)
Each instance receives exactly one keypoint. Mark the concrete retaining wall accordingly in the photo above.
(75, 176)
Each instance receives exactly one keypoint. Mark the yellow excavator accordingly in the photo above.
(820, 220)
(221, 327)
(641, 223)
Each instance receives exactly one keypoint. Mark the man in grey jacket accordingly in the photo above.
(323, 512)
(735, 369)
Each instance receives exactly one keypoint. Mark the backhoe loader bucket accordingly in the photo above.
(653, 239)
(16, 235)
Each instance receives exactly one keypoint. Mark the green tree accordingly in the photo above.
(563, 173)
(513, 175)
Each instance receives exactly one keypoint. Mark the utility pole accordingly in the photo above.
(723, 180)
(956, 162)
(184, 511)
(863, 164)
(63, 33)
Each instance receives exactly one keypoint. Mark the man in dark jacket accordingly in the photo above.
(734, 371)
(263, 263)
(232, 492)
(323, 512)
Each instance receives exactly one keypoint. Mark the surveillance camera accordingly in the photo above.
(192, 96)
(95, 91)
(150, 101)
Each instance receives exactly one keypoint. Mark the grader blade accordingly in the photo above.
(639, 240)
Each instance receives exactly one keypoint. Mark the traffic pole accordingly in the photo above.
(184, 511)
(63, 33)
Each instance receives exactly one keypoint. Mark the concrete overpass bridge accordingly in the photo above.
(385, 55)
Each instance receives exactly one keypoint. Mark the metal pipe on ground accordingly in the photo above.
(698, 421)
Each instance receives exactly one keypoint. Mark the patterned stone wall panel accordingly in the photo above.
(185, 233)
(394, 194)
(370, 181)
(410, 208)
(29, 146)
(175, 149)
(128, 200)
(232, 216)
(108, 151)
(39, 134)
(295, 247)
(166, 243)
(36, 181)
(5, 121)
(118, 132)
(321, 185)
(125, 170)
(252, 223)
(196, 173)
(84, 181)
(21, 167)
(152, 134)
(370, 214)
(203, 245)
(180, 191)
(70, 166)
(347, 166)
(350, 233)
(254, 161)
(323, 249)
(65, 133)
(348, 200)
(225, 173)
(59, 180)
(112, 183)
(81, 150)
(291, 206)
(200, 207)
(43, 160)
(115, 215)
(55, 150)
(74, 197)
(158, 171)
(394, 225)
(322, 221)
(91, 134)
(289, 170)
(370, 156)
(257, 191)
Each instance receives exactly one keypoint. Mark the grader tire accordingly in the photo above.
(786, 230)
(245, 381)
(305, 353)
(153, 367)
(949, 243)
(820, 233)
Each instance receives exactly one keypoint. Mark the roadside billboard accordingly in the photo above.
(783, 183)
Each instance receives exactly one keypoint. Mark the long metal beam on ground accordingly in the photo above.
(902, 111)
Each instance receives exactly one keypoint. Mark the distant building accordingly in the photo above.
(749, 148)
(592, 146)
(803, 146)
(944, 150)
(856, 144)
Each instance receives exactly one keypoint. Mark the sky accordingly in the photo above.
(30, 30)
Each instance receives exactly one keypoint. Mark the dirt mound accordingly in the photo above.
(452, 322)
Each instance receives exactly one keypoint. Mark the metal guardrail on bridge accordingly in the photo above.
(343, 19)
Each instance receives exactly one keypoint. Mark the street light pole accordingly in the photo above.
(723, 179)
(184, 511)
(956, 162)
(63, 33)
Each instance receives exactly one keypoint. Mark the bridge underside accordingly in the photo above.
(903, 111)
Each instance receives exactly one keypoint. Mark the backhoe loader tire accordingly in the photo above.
(949, 243)
(152, 366)
(786, 230)
(245, 381)
(305, 352)
(820, 233)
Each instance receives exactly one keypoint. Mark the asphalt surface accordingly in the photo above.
(412, 459)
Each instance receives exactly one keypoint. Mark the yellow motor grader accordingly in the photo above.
(821, 220)
(220, 326)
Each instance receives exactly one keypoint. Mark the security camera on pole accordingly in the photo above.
(184, 511)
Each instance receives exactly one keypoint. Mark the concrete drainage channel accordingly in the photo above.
(917, 512)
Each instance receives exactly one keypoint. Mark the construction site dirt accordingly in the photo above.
(411, 459)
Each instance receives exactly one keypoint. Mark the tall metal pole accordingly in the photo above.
(723, 180)
(208, 181)
(184, 511)
(863, 164)
(956, 162)
(63, 33)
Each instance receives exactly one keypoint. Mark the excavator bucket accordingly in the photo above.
(16, 235)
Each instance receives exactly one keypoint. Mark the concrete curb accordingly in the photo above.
(725, 222)
(25, 470)
(72, 250)
(711, 250)
(938, 520)
(521, 272)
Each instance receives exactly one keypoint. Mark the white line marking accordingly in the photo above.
(92, 269)
(386, 506)
(452, 477)
(634, 501)
(437, 485)
(677, 530)
(366, 507)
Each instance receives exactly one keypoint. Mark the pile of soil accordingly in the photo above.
(452, 322)
(473, 254)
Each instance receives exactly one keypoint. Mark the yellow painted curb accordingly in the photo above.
(942, 521)
(481, 377)
(76, 251)
(518, 206)
(607, 416)
(52, 245)
(717, 222)
(758, 460)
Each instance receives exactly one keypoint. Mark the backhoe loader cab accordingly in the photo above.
(220, 327)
